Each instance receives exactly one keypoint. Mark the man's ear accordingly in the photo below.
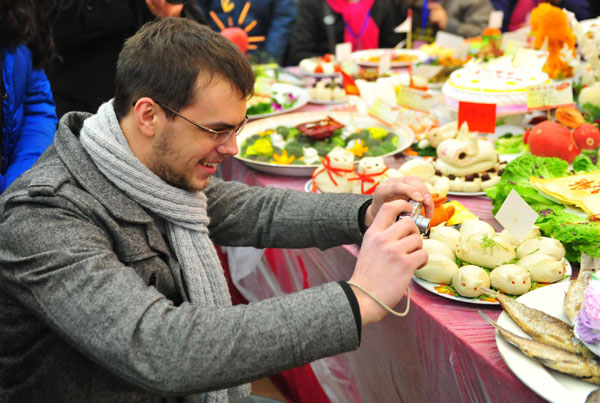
(145, 111)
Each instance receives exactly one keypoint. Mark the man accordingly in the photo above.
(110, 286)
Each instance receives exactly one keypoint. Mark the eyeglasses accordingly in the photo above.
(219, 136)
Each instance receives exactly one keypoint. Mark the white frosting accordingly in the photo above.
(500, 84)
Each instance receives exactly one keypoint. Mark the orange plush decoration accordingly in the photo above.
(549, 23)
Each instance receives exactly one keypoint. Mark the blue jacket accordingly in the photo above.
(28, 114)
(274, 20)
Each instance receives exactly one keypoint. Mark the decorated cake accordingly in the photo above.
(492, 83)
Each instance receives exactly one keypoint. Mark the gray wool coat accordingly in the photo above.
(92, 304)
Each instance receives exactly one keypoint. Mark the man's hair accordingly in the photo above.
(163, 59)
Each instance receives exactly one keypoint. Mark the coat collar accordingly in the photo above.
(81, 166)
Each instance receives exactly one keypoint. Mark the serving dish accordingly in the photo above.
(365, 57)
(438, 289)
(405, 137)
(279, 92)
(551, 385)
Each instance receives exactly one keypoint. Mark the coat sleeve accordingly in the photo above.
(468, 18)
(39, 125)
(75, 284)
(261, 217)
(280, 30)
(305, 36)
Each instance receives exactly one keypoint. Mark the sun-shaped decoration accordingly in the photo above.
(236, 34)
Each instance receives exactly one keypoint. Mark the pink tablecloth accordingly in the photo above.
(442, 351)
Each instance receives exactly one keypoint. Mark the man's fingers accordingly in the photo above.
(410, 243)
(388, 213)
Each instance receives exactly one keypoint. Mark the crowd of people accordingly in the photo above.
(110, 285)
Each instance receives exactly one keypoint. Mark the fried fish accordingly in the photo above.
(560, 360)
(575, 294)
(541, 326)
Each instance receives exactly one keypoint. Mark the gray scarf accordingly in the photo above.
(184, 212)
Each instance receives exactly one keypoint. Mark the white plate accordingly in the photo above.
(405, 134)
(452, 193)
(281, 89)
(320, 102)
(308, 187)
(550, 385)
(362, 54)
(431, 288)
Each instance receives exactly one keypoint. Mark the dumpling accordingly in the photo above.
(435, 247)
(543, 268)
(549, 246)
(439, 269)
(468, 281)
(533, 232)
(446, 235)
(511, 279)
(484, 250)
(470, 227)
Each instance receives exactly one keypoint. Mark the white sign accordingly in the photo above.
(496, 18)
(385, 62)
(452, 41)
(343, 51)
(516, 216)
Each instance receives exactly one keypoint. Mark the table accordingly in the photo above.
(442, 351)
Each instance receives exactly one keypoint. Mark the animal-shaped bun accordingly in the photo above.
(484, 250)
(371, 171)
(549, 246)
(433, 246)
(533, 232)
(469, 279)
(511, 279)
(438, 134)
(465, 155)
(335, 170)
(439, 269)
(470, 227)
(543, 268)
(446, 235)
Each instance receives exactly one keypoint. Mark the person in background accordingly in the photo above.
(274, 20)
(320, 25)
(516, 12)
(27, 116)
(110, 287)
(89, 36)
(467, 18)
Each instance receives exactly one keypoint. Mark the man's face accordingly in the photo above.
(184, 155)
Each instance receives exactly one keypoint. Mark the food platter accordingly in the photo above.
(405, 137)
(361, 56)
(280, 88)
(431, 287)
(452, 193)
(550, 385)
(320, 102)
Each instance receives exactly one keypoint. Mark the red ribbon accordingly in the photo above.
(367, 178)
(329, 169)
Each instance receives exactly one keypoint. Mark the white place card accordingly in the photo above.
(495, 20)
(383, 111)
(516, 216)
(426, 70)
(385, 62)
(343, 51)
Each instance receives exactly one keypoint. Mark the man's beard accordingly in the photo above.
(163, 151)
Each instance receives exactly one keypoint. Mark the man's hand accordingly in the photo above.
(390, 253)
(404, 188)
(161, 8)
(437, 15)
